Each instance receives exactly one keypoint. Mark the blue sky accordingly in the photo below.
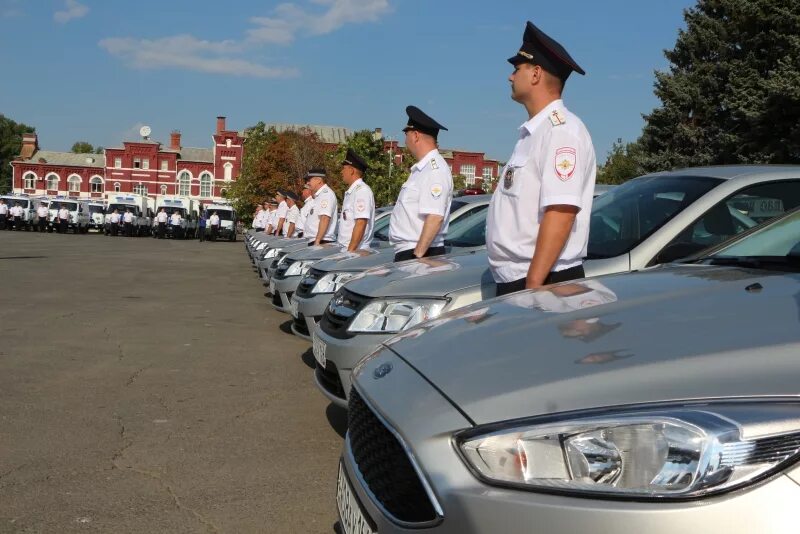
(96, 70)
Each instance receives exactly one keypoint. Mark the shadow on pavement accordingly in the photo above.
(286, 327)
(337, 417)
(308, 358)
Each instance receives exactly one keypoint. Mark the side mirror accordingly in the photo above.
(677, 251)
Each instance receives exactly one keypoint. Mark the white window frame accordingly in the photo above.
(228, 169)
(146, 163)
(206, 185)
(117, 187)
(163, 189)
(164, 164)
(117, 163)
(96, 181)
(487, 173)
(30, 175)
(47, 181)
(140, 189)
(184, 187)
(467, 170)
(74, 183)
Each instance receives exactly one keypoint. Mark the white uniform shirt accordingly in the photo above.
(271, 220)
(428, 191)
(214, 220)
(175, 219)
(553, 163)
(128, 217)
(42, 212)
(325, 203)
(3, 209)
(162, 216)
(283, 207)
(114, 218)
(358, 203)
(257, 219)
(292, 216)
(17, 211)
(308, 205)
(63, 213)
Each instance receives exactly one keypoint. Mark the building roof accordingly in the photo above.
(69, 159)
(205, 155)
(326, 134)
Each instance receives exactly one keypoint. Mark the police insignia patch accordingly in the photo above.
(361, 205)
(434, 165)
(436, 190)
(508, 178)
(566, 158)
(323, 204)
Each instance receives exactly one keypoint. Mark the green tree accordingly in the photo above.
(10, 146)
(732, 91)
(622, 164)
(82, 147)
(459, 182)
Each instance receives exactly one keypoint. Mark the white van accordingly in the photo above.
(185, 207)
(138, 204)
(227, 219)
(97, 215)
(28, 206)
(78, 214)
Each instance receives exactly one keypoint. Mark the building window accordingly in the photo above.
(117, 163)
(137, 163)
(228, 171)
(96, 184)
(146, 163)
(184, 184)
(205, 185)
(140, 189)
(164, 164)
(117, 187)
(163, 189)
(74, 184)
(30, 180)
(52, 182)
(228, 143)
(468, 172)
(487, 174)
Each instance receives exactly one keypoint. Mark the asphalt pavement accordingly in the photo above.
(147, 386)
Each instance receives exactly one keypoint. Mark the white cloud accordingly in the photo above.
(189, 53)
(290, 19)
(73, 10)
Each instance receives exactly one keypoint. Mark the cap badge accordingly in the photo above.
(566, 158)
(508, 178)
(525, 55)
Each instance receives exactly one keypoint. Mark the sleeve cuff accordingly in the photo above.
(557, 200)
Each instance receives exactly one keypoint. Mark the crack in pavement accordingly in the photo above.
(134, 376)
(127, 465)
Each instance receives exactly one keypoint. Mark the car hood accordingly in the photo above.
(362, 261)
(669, 333)
(314, 253)
(437, 276)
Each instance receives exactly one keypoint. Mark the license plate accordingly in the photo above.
(318, 346)
(353, 520)
(293, 307)
(272, 286)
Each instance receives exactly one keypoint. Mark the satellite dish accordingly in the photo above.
(145, 131)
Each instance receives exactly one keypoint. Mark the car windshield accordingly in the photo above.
(23, 203)
(381, 229)
(469, 231)
(625, 216)
(779, 239)
(122, 208)
(71, 206)
(95, 209)
(224, 215)
(180, 211)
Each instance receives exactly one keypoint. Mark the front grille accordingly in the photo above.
(339, 313)
(384, 465)
(300, 325)
(280, 272)
(308, 283)
(328, 377)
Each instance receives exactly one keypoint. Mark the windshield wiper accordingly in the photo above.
(788, 262)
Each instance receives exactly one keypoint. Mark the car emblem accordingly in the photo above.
(508, 179)
(383, 370)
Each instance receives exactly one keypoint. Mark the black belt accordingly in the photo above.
(573, 273)
(404, 255)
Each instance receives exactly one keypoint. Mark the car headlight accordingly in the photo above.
(271, 253)
(656, 453)
(331, 282)
(261, 246)
(298, 268)
(395, 315)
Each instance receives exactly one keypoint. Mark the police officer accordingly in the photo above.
(271, 220)
(17, 215)
(258, 219)
(420, 218)
(114, 218)
(537, 228)
(280, 214)
(320, 225)
(41, 213)
(305, 209)
(175, 224)
(162, 222)
(358, 206)
(3, 214)
(292, 215)
(63, 220)
(213, 222)
(127, 219)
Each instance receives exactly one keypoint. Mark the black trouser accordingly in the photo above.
(214, 232)
(3, 222)
(259, 229)
(409, 254)
(42, 224)
(202, 232)
(573, 273)
(17, 221)
(114, 229)
(162, 228)
(62, 226)
(128, 229)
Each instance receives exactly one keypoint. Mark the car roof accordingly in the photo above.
(728, 172)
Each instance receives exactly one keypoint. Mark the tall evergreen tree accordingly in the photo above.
(732, 92)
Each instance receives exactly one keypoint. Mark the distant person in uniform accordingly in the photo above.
(214, 223)
(42, 212)
(3, 214)
(419, 220)
(201, 225)
(258, 219)
(127, 219)
(162, 222)
(272, 210)
(280, 214)
(17, 216)
(320, 225)
(537, 228)
(305, 209)
(357, 220)
(175, 224)
(292, 215)
(63, 219)
(114, 222)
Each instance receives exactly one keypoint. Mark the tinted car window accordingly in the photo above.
(627, 215)
(469, 231)
(781, 238)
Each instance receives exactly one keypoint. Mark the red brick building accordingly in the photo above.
(144, 167)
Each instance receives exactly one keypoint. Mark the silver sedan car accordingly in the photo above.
(649, 220)
(660, 401)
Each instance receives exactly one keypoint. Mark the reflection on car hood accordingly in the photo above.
(360, 263)
(314, 253)
(669, 333)
(437, 276)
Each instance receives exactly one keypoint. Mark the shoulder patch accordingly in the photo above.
(434, 165)
(436, 190)
(557, 118)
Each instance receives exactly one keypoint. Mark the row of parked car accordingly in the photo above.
(660, 394)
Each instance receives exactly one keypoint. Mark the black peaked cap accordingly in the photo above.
(354, 160)
(316, 171)
(418, 120)
(540, 49)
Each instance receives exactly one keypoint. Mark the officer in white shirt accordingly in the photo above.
(63, 219)
(175, 225)
(127, 219)
(280, 214)
(308, 205)
(17, 215)
(357, 220)
(161, 218)
(272, 221)
(42, 213)
(292, 215)
(419, 220)
(258, 219)
(213, 222)
(114, 219)
(3, 214)
(537, 228)
(320, 225)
